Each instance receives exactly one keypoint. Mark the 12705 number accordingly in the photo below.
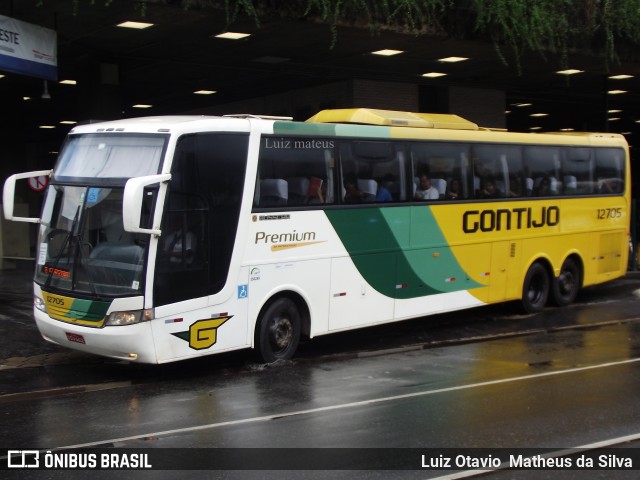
(604, 213)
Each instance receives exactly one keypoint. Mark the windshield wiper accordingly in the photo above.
(64, 246)
(78, 255)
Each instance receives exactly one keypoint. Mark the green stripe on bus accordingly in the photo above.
(331, 130)
(401, 252)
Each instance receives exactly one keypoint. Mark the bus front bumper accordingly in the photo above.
(133, 343)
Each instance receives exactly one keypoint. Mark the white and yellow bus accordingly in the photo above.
(168, 238)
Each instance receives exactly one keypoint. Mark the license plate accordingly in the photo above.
(74, 337)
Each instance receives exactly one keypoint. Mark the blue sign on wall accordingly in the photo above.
(28, 49)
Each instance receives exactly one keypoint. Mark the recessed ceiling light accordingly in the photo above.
(452, 59)
(433, 74)
(616, 92)
(233, 35)
(566, 129)
(614, 111)
(26, 99)
(625, 133)
(620, 77)
(204, 92)
(135, 25)
(47, 127)
(570, 71)
(68, 122)
(522, 104)
(141, 105)
(68, 82)
(1, 76)
(535, 128)
(387, 52)
(539, 115)
(507, 112)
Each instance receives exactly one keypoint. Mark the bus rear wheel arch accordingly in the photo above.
(280, 325)
(535, 288)
(568, 282)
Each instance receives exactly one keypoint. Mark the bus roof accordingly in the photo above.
(392, 118)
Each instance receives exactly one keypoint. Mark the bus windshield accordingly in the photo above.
(82, 245)
(109, 156)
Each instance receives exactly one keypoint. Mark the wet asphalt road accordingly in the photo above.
(483, 378)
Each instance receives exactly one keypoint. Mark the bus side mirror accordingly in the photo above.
(132, 202)
(9, 192)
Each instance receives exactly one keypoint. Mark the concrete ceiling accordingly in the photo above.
(164, 64)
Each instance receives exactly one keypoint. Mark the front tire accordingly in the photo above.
(535, 290)
(566, 286)
(278, 330)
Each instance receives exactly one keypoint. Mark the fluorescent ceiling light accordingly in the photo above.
(387, 52)
(452, 59)
(522, 104)
(614, 111)
(68, 82)
(620, 77)
(204, 92)
(566, 129)
(614, 119)
(135, 25)
(141, 105)
(26, 99)
(68, 122)
(570, 71)
(47, 127)
(433, 74)
(539, 115)
(535, 128)
(1, 76)
(233, 35)
(616, 92)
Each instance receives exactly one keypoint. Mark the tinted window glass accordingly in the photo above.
(295, 171)
(205, 193)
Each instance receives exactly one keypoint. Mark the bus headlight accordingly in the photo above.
(39, 304)
(129, 318)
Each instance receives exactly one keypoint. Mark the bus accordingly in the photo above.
(169, 238)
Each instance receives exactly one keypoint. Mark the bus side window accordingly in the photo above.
(609, 170)
(291, 170)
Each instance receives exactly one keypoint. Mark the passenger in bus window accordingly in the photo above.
(317, 193)
(353, 194)
(425, 190)
(488, 189)
(610, 185)
(383, 194)
(515, 187)
(544, 189)
(454, 191)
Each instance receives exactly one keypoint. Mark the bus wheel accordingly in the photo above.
(566, 286)
(278, 330)
(535, 290)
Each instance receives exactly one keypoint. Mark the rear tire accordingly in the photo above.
(535, 290)
(278, 330)
(566, 286)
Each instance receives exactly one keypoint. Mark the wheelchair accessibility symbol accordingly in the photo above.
(243, 291)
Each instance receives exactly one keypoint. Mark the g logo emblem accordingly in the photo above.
(203, 333)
